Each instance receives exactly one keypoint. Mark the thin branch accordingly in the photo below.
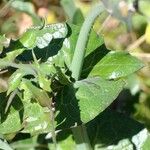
(143, 56)
(136, 44)
(52, 119)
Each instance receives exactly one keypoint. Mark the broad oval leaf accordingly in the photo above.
(95, 95)
(116, 65)
(85, 100)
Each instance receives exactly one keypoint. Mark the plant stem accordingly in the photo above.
(81, 138)
(52, 118)
(136, 44)
(80, 49)
(80, 133)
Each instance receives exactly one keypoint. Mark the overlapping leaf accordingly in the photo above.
(41, 38)
(84, 103)
(95, 95)
(36, 37)
(110, 130)
(4, 145)
(116, 65)
(115, 131)
(94, 46)
(24, 115)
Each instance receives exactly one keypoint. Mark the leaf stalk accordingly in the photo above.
(80, 49)
(80, 133)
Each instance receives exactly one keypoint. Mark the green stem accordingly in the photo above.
(81, 138)
(80, 133)
(80, 49)
(52, 119)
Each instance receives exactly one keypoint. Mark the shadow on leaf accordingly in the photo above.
(110, 127)
(68, 109)
(92, 59)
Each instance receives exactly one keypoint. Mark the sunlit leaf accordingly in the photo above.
(116, 65)
(24, 115)
(95, 95)
(35, 36)
(4, 145)
(84, 103)
(15, 80)
(38, 94)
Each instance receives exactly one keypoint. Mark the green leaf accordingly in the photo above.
(84, 102)
(116, 65)
(94, 47)
(38, 94)
(47, 68)
(41, 38)
(10, 56)
(57, 60)
(41, 77)
(69, 7)
(65, 141)
(46, 42)
(144, 8)
(146, 145)
(28, 143)
(78, 17)
(10, 52)
(62, 77)
(28, 39)
(69, 44)
(95, 51)
(113, 65)
(7, 120)
(15, 80)
(67, 109)
(36, 119)
(29, 117)
(44, 82)
(115, 131)
(4, 145)
(95, 42)
(95, 95)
